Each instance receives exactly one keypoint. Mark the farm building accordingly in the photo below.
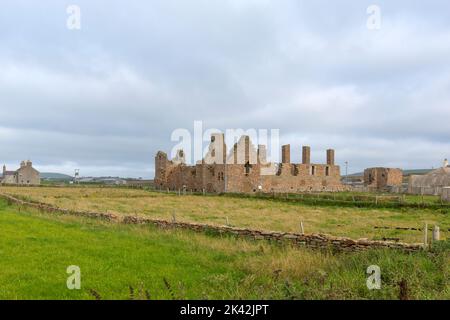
(446, 194)
(26, 174)
(432, 183)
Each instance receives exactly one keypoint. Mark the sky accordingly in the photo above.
(105, 97)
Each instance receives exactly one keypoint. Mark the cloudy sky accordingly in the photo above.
(106, 97)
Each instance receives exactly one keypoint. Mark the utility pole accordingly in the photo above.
(346, 172)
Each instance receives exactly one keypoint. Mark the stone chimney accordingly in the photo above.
(286, 153)
(218, 139)
(241, 151)
(262, 154)
(330, 157)
(306, 155)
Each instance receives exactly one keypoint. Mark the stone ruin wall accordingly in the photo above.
(379, 178)
(248, 177)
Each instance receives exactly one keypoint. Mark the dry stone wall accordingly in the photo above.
(319, 241)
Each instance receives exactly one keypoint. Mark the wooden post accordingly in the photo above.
(228, 222)
(174, 218)
(376, 200)
(425, 235)
(301, 227)
(436, 233)
(204, 191)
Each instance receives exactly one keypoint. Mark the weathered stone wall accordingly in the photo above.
(431, 183)
(379, 178)
(25, 175)
(243, 171)
(28, 175)
(303, 177)
(319, 241)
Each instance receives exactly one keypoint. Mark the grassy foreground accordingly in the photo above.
(264, 214)
(36, 249)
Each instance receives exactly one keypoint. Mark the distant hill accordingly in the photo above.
(405, 172)
(416, 171)
(55, 176)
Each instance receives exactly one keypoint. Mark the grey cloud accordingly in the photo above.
(107, 97)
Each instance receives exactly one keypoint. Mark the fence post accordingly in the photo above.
(436, 233)
(425, 235)
(301, 227)
(228, 222)
(376, 200)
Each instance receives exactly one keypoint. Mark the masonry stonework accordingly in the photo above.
(306, 155)
(25, 175)
(245, 170)
(379, 178)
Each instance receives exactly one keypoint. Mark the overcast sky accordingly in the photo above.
(107, 97)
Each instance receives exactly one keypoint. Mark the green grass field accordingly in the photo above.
(265, 214)
(36, 249)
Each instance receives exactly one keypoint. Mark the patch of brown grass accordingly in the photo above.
(261, 214)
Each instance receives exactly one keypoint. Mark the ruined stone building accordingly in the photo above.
(25, 175)
(382, 178)
(245, 169)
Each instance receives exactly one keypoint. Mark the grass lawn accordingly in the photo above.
(36, 249)
(255, 213)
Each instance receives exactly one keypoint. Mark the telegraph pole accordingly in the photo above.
(346, 172)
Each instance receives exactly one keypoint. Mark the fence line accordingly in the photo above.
(319, 241)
